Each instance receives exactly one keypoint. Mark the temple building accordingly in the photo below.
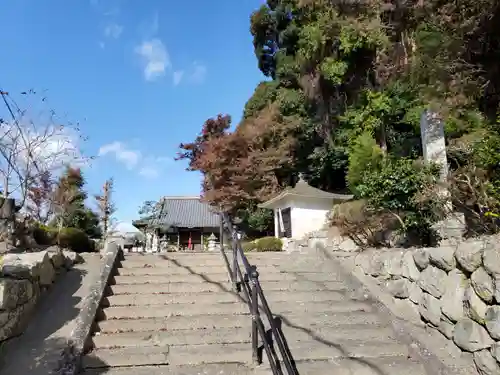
(181, 224)
(301, 209)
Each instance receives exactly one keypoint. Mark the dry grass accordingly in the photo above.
(364, 226)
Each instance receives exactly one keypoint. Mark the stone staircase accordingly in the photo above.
(176, 313)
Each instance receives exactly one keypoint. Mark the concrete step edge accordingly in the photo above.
(233, 335)
(151, 299)
(237, 353)
(231, 321)
(125, 312)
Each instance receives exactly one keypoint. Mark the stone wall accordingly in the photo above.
(23, 280)
(324, 238)
(455, 289)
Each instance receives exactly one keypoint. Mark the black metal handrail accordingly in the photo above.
(248, 282)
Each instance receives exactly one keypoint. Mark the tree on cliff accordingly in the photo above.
(349, 82)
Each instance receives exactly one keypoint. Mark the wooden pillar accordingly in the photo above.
(178, 240)
(276, 223)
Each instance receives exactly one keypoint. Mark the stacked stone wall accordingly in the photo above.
(454, 288)
(24, 278)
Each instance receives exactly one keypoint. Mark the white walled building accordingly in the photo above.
(301, 209)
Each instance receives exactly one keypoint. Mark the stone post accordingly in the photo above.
(434, 145)
(434, 150)
(155, 242)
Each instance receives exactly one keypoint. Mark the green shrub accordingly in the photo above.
(269, 244)
(365, 156)
(45, 235)
(75, 239)
(408, 190)
(248, 246)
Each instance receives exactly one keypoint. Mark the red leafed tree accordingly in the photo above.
(39, 197)
(241, 166)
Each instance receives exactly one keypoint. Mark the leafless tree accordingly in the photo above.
(106, 206)
(33, 144)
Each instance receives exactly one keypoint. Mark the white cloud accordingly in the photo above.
(113, 31)
(57, 148)
(155, 58)
(177, 77)
(149, 172)
(146, 165)
(153, 166)
(163, 160)
(128, 157)
(198, 74)
(195, 75)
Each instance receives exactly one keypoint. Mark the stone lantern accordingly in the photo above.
(212, 246)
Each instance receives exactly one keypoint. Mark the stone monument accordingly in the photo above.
(452, 228)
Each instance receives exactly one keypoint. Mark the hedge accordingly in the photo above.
(45, 235)
(76, 240)
(269, 244)
(263, 244)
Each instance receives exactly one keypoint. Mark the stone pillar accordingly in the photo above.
(434, 150)
(149, 242)
(434, 145)
(8, 221)
(155, 243)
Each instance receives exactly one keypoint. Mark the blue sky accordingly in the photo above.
(140, 76)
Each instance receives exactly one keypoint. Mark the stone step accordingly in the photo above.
(303, 286)
(180, 309)
(234, 321)
(398, 365)
(196, 261)
(218, 297)
(203, 278)
(309, 276)
(206, 369)
(343, 366)
(138, 257)
(233, 353)
(191, 270)
(174, 323)
(372, 333)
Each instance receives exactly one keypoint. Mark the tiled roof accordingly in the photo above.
(186, 212)
(303, 189)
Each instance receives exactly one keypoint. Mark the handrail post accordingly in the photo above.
(254, 280)
(235, 268)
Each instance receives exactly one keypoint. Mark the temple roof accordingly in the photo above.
(303, 190)
(185, 212)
